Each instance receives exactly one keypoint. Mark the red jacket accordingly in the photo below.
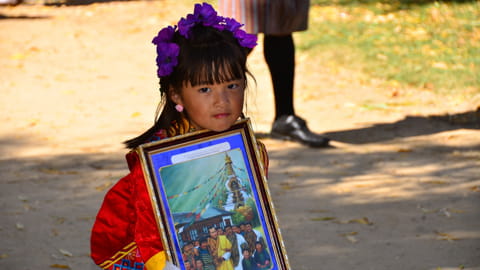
(125, 231)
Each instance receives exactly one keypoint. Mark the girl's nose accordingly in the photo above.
(221, 97)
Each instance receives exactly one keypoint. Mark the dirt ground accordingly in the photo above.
(399, 189)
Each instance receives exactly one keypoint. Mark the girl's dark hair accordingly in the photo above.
(208, 56)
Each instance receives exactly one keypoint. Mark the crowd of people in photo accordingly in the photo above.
(233, 247)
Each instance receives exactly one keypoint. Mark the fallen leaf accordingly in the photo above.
(286, 186)
(17, 56)
(57, 257)
(135, 114)
(436, 182)
(428, 86)
(27, 207)
(134, 30)
(418, 33)
(445, 212)
(61, 266)
(440, 65)
(55, 171)
(33, 122)
(349, 233)
(20, 226)
(475, 188)
(65, 252)
(323, 218)
(61, 77)
(364, 221)
(68, 92)
(363, 185)
(317, 211)
(104, 186)
(34, 49)
(59, 220)
(427, 211)
(394, 93)
(85, 218)
(352, 239)
(3, 256)
(382, 57)
(404, 150)
(378, 106)
(294, 174)
(446, 236)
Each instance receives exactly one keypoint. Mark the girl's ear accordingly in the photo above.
(175, 97)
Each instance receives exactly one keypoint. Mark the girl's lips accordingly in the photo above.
(221, 115)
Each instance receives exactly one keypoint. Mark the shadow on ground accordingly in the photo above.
(419, 206)
(408, 127)
(21, 17)
(62, 193)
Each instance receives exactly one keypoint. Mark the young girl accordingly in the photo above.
(261, 256)
(203, 75)
(248, 263)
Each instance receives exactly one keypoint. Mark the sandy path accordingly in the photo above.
(76, 81)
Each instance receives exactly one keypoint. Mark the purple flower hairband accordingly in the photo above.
(167, 50)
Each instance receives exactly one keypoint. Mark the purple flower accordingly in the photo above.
(205, 14)
(167, 51)
(185, 24)
(232, 25)
(244, 39)
(167, 57)
(164, 35)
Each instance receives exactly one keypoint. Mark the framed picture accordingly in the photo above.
(211, 200)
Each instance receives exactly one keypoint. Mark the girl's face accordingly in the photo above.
(199, 264)
(212, 106)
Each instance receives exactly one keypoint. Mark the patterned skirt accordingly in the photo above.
(274, 17)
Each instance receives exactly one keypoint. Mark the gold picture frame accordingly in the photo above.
(205, 180)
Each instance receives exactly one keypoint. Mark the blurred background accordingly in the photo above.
(394, 84)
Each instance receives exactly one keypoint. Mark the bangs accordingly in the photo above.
(211, 63)
(216, 72)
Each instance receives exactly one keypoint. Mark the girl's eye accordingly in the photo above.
(233, 86)
(204, 90)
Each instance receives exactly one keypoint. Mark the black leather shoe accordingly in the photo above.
(294, 128)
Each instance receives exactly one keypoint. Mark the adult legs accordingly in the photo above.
(279, 52)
